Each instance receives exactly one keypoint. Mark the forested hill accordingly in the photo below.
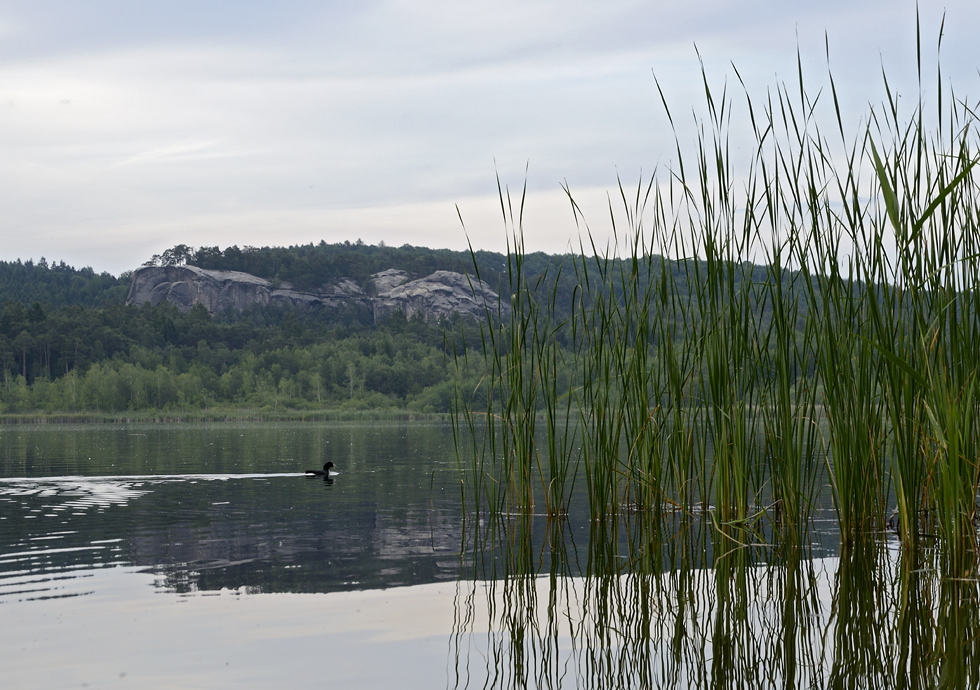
(59, 285)
(307, 267)
(69, 344)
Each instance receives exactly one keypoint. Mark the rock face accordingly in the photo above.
(386, 280)
(219, 291)
(438, 295)
(441, 294)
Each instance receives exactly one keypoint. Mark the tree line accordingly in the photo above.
(57, 284)
(156, 358)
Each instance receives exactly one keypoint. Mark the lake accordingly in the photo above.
(198, 556)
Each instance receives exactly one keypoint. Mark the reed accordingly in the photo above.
(523, 372)
(746, 329)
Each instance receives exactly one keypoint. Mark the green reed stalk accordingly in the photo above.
(788, 402)
(525, 376)
(928, 188)
(729, 388)
(558, 402)
(949, 349)
(846, 367)
(643, 388)
(679, 354)
(697, 378)
(601, 423)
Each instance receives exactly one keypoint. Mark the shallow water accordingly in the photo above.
(199, 556)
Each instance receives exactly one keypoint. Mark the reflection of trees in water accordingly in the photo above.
(873, 618)
(366, 551)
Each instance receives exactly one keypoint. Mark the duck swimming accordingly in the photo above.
(325, 472)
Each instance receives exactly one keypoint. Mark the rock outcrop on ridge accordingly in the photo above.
(441, 294)
(437, 295)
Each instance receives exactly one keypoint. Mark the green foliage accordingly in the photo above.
(126, 358)
(57, 284)
(67, 342)
(313, 266)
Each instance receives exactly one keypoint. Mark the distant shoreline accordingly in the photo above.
(197, 416)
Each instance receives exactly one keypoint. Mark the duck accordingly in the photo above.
(325, 472)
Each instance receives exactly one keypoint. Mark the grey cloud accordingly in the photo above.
(197, 121)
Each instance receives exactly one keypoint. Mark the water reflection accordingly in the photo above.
(863, 594)
(872, 618)
(208, 508)
(649, 600)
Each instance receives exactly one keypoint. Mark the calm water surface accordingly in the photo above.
(162, 555)
(212, 507)
(198, 556)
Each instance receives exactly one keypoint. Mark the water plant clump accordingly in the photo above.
(753, 340)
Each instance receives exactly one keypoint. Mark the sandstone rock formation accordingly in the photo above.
(441, 294)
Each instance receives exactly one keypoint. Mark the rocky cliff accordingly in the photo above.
(436, 295)
(441, 294)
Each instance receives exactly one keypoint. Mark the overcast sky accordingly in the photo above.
(129, 127)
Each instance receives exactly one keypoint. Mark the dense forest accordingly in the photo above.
(157, 358)
(58, 285)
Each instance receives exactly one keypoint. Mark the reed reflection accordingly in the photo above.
(937, 633)
(512, 618)
(863, 595)
(645, 612)
(658, 600)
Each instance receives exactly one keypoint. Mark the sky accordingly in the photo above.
(129, 127)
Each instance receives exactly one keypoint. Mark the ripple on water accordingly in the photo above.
(39, 559)
(72, 492)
